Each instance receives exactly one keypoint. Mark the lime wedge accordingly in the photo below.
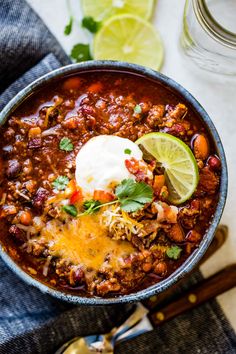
(102, 9)
(180, 166)
(131, 39)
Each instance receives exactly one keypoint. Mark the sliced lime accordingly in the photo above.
(102, 9)
(131, 39)
(180, 166)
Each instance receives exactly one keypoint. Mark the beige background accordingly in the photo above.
(216, 94)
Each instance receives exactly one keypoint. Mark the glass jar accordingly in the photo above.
(209, 34)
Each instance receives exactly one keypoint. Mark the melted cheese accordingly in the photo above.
(84, 241)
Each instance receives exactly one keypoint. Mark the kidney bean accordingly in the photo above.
(13, 168)
(76, 275)
(214, 162)
(17, 233)
(35, 143)
(86, 109)
(40, 197)
(201, 147)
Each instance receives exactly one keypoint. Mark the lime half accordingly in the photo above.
(102, 9)
(180, 166)
(131, 39)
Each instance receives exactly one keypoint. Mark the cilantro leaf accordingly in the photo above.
(91, 206)
(70, 209)
(174, 252)
(60, 183)
(127, 151)
(137, 109)
(68, 27)
(80, 52)
(91, 25)
(133, 195)
(66, 144)
(130, 206)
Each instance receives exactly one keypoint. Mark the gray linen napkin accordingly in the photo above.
(35, 323)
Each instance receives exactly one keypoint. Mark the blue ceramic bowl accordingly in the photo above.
(188, 265)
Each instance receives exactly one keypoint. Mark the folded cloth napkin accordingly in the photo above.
(35, 323)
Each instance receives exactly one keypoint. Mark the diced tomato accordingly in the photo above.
(76, 197)
(72, 83)
(103, 196)
(75, 192)
(96, 87)
(132, 165)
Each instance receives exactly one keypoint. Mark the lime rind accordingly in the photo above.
(131, 39)
(180, 165)
(101, 10)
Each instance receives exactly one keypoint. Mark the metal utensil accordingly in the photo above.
(142, 320)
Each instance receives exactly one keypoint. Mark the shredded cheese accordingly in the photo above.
(119, 223)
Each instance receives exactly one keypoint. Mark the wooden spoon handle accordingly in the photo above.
(218, 240)
(209, 288)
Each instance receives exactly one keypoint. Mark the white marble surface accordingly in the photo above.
(217, 95)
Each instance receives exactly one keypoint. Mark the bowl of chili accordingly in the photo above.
(45, 125)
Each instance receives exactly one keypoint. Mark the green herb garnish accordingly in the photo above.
(131, 195)
(127, 151)
(60, 183)
(81, 52)
(66, 144)
(91, 25)
(70, 209)
(68, 27)
(137, 109)
(174, 252)
(91, 206)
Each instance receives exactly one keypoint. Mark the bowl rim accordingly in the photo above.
(194, 258)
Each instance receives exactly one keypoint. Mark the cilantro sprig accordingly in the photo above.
(81, 52)
(68, 27)
(91, 206)
(131, 195)
(174, 252)
(127, 151)
(90, 24)
(60, 183)
(70, 209)
(66, 144)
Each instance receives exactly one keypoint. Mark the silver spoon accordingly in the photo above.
(142, 321)
(136, 324)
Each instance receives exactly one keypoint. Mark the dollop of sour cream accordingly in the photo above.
(100, 164)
